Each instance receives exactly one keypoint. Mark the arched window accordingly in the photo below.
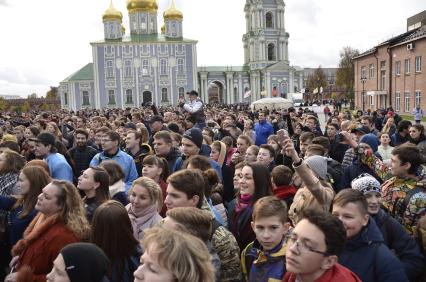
(236, 95)
(269, 20)
(129, 96)
(271, 52)
(164, 96)
(181, 92)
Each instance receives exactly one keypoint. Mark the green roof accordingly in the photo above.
(85, 73)
(146, 38)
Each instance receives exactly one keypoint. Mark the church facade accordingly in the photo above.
(129, 70)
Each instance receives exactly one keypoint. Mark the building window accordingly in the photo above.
(407, 66)
(269, 20)
(372, 71)
(181, 92)
(164, 96)
(111, 97)
(271, 52)
(65, 98)
(163, 66)
(397, 101)
(407, 102)
(382, 65)
(86, 100)
(129, 96)
(418, 64)
(398, 68)
(417, 100)
(127, 68)
(180, 65)
(235, 95)
(145, 67)
(382, 80)
(363, 72)
(109, 68)
(371, 100)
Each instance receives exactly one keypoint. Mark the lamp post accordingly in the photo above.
(363, 81)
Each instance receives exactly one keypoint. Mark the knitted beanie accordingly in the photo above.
(85, 262)
(366, 183)
(195, 135)
(371, 140)
(319, 165)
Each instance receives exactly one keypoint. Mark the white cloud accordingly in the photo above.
(43, 42)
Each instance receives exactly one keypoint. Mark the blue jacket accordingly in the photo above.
(369, 258)
(59, 167)
(263, 130)
(17, 225)
(401, 243)
(260, 266)
(124, 160)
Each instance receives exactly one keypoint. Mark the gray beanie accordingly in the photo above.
(319, 165)
(366, 183)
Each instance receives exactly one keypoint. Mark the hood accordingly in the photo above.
(368, 235)
(205, 150)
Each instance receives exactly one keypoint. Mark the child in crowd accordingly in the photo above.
(263, 259)
(282, 186)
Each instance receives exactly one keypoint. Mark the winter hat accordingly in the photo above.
(195, 135)
(366, 183)
(371, 140)
(318, 164)
(85, 262)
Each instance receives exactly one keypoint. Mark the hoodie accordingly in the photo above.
(369, 258)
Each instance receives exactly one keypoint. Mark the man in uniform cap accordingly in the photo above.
(195, 108)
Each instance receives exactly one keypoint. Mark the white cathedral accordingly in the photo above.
(129, 70)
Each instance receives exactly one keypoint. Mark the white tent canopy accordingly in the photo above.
(277, 103)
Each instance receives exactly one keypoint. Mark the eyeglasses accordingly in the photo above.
(301, 245)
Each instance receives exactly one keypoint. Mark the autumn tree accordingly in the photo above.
(346, 72)
(52, 93)
(3, 104)
(316, 80)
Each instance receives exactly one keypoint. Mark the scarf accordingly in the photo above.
(284, 192)
(243, 203)
(142, 219)
(38, 226)
(116, 187)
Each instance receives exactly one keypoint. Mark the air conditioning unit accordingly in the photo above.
(410, 46)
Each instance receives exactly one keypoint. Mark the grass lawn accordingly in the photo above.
(410, 117)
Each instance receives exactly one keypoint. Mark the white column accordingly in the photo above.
(240, 88)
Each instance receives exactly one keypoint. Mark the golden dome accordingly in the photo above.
(112, 14)
(163, 29)
(172, 13)
(142, 6)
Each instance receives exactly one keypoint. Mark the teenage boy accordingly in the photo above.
(305, 140)
(282, 184)
(264, 258)
(365, 252)
(186, 189)
(395, 237)
(313, 248)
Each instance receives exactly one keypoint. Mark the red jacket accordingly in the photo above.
(338, 273)
(40, 246)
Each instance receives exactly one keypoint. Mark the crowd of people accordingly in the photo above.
(202, 193)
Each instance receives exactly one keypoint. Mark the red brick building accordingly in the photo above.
(393, 73)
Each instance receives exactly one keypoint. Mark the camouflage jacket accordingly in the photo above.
(226, 246)
(404, 198)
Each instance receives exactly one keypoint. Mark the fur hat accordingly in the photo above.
(366, 183)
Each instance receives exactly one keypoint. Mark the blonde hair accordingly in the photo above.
(184, 255)
(154, 190)
(72, 213)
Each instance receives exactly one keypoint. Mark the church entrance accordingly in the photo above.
(215, 92)
(146, 97)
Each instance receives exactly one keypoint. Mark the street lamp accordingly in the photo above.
(363, 81)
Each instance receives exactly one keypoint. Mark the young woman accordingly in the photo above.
(249, 129)
(384, 149)
(251, 154)
(174, 256)
(94, 182)
(389, 126)
(157, 169)
(145, 201)
(274, 142)
(417, 137)
(29, 133)
(116, 181)
(255, 183)
(243, 143)
(20, 209)
(10, 165)
(61, 220)
(118, 243)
